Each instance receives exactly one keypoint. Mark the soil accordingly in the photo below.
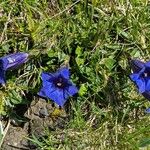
(41, 115)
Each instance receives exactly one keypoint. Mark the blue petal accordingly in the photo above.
(64, 72)
(49, 77)
(139, 82)
(147, 64)
(47, 87)
(141, 85)
(137, 65)
(2, 77)
(3, 63)
(146, 95)
(41, 93)
(142, 71)
(46, 76)
(72, 90)
(57, 96)
(53, 93)
(13, 60)
(134, 76)
(147, 84)
(147, 110)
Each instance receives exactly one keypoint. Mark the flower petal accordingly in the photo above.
(47, 87)
(58, 97)
(53, 93)
(13, 60)
(41, 93)
(3, 63)
(64, 72)
(136, 65)
(140, 82)
(146, 95)
(141, 85)
(2, 77)
(134, 76)
(147, 64)
(72, 90)
(147, 84)
(46, 76)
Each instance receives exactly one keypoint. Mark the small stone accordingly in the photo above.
(43, 112)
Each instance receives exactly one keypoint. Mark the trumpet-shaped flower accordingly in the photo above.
(57, 86)
(9, 62)
(141, 76)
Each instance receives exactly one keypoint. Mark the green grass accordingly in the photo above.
(96, 38)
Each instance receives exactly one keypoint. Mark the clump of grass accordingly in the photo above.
(101, 130)
(96, 38)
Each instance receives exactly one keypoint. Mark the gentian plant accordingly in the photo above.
(57, 86)
(9, 62)
(141, 77)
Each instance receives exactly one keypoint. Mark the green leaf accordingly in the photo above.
(135, 53)
(144, 142)
(31, 24)
(16, 98)
(79, 61)
(83, 90)
(6, 47)
(113, 46)
(123, 63)
(51, 53)
(78, 51)
(109, 62)
(18, 119)
(34, 52)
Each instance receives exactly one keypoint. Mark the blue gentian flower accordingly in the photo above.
(141, 76)
(57, 86)
(9, 62)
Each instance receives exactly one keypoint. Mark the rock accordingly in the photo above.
(42, 115)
